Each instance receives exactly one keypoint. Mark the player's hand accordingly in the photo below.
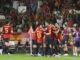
(70, 34)
(44, 32)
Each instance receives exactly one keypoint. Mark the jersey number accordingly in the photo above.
(6, 30)
(39, 35)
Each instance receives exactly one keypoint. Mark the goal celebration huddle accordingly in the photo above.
(51, 40)
(47, 40)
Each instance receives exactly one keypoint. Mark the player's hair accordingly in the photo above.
(66, 25)
(47, 22)
(7, 22)
(57, 23)
(75, 25)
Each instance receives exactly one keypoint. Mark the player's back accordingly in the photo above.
(7, 29)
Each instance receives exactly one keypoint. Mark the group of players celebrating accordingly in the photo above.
(51, 40)
(47, 40)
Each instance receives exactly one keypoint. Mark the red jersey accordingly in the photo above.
(39, 36)
(55, 33)
(48, 30)
(7, 31)
(60, 36)
(0, 35)
(55, 36)
(37, 29)
(34, 36)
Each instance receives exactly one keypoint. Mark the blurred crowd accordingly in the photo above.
(38, 11)
(62, 12)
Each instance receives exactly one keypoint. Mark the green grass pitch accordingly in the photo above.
(27, 57)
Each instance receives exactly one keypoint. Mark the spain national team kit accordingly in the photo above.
(34, 37)
(39, 37)
(6, 32)
(48, 38)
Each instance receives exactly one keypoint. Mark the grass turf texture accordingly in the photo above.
(27, 57)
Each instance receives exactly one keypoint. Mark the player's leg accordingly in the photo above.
(1, 49)
(75, 48)
(44, 49)
(56, 49)
(79, 46)
(34, 45)
(65, 48)
(1, 46)
(40, 49)
(56, 46)
(60, 46)
(53, 48)
(64, 45)
(45, 43)
(50, 46)
(6, 41)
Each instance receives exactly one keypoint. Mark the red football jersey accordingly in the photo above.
(34, 36)
(55, 33)
(48, 30)
(0, 35)
(7, 31)
(37, 29)
(55, 37)
(60, 36)
(39, 36)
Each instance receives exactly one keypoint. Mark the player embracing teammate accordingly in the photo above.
(52, 40)
(47, 41)
(57, 38)
(37, 41)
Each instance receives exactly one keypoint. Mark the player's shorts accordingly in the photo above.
(6, 39)
(56, 43)
(39, 44)
(48, 40)
(77, 43)
(65, 41)
(33, 42)
(0, 45)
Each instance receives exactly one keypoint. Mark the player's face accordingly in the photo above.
(54, 27)
(9, 23)
(46, 24)
(0, 39)
(0, 29)
(73, 28)
(79, 28)
(56, 24)
(64, 26)
(40, 26)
